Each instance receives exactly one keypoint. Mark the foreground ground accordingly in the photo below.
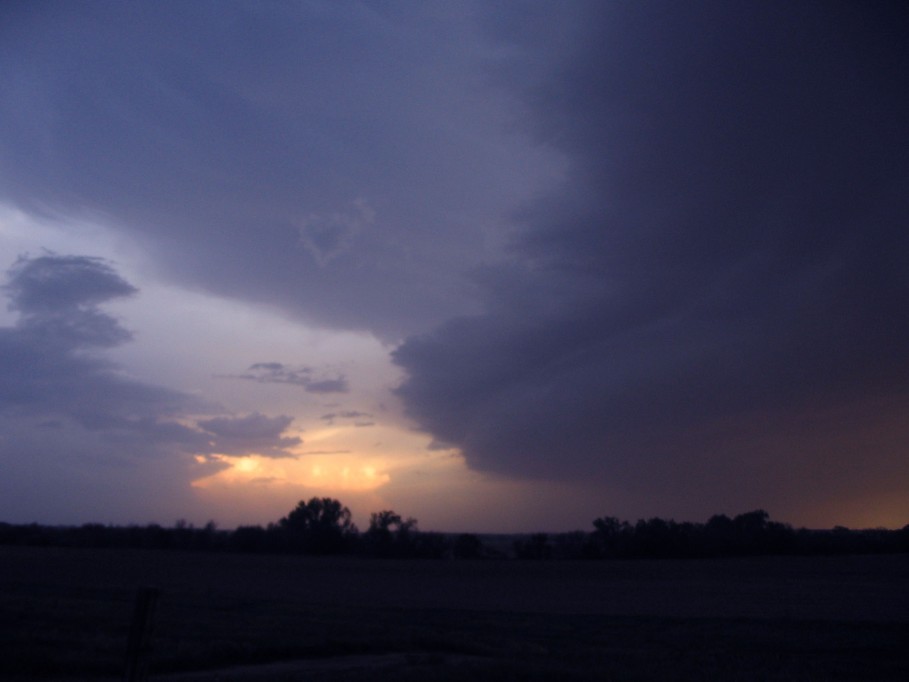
(66, 612)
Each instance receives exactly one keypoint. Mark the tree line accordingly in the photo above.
(323, 526)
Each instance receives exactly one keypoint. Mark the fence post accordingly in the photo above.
(140, 634)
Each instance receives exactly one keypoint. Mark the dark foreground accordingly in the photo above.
(64, 615)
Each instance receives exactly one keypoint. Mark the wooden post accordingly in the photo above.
(140, 635)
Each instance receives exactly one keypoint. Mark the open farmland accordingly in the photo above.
(66, 613)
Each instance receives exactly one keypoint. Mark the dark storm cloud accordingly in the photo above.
(730, 244)
(290, 153)
(304, 377)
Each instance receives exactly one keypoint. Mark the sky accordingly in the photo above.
(499, 266)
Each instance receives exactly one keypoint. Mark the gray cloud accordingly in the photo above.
(338, 385)
(305, 377)
(252, 433)
(51, 359)
(359, 418)
(328, 236)
(52, 284)
(60, 393)
(57, 299)
(323, 147)
(70, 474)
(273, 367)
(275, 373)
(730, 244)
(71, 423)
(327, 452)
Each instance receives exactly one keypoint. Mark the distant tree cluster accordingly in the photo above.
(323, 526)
(749, 534)
(153, 536)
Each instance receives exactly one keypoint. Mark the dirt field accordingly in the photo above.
(65, 615)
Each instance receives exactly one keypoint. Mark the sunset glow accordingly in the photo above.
(335, 472)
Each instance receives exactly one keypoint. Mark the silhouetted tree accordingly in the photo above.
(429, 546)
(320, 526)
(574, 545)
(535, 547)
(719, 535)
(610, 537)
(390, 536)
(323, 526)
(249, 539)
(467, 546)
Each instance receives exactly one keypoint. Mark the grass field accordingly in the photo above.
(66, 613)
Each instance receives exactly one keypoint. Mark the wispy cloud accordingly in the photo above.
(305, 377)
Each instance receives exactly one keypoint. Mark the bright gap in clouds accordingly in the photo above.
(336, 386)
(354, 440)
(356, 444)
(349, 458)
(251, 364)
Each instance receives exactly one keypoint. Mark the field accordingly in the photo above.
(66, 614)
